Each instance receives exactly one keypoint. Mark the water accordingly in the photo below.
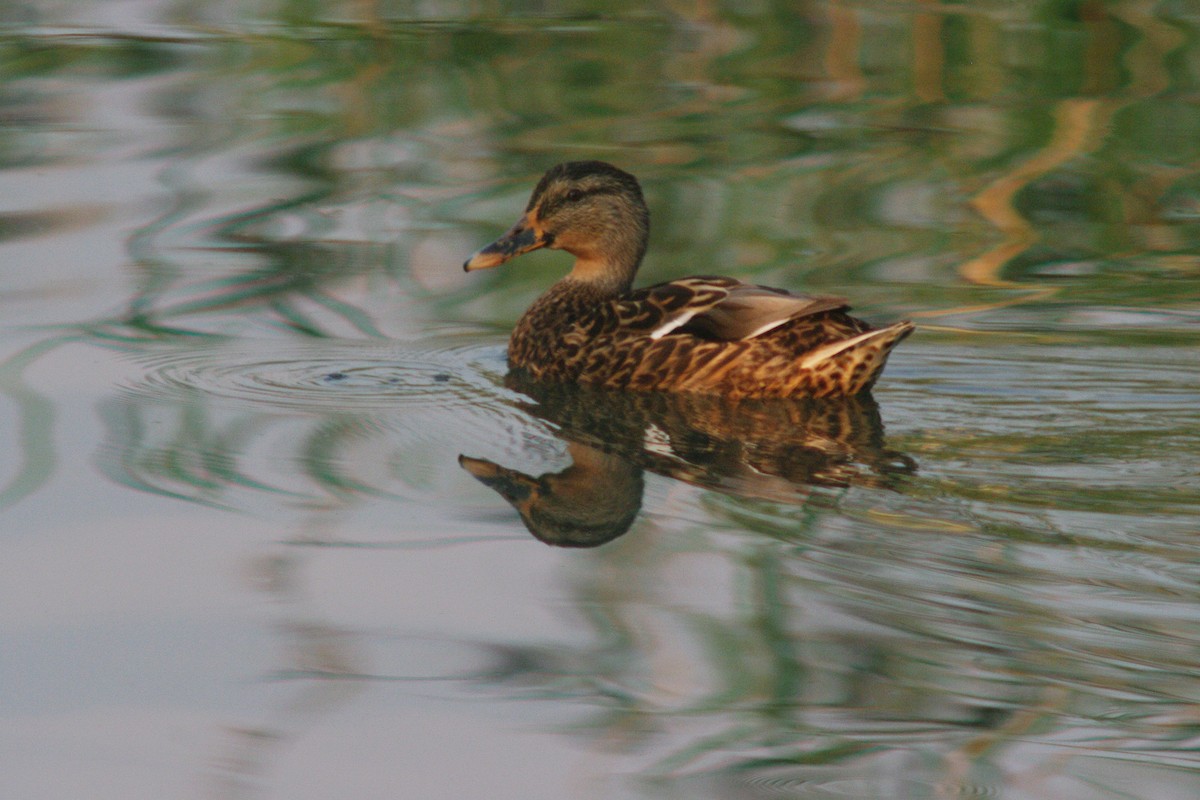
(271, 511)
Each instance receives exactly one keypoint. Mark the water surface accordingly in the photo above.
(276, 523)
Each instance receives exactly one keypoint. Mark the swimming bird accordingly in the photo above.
(706, 334)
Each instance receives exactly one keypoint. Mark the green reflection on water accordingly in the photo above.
(303, 183)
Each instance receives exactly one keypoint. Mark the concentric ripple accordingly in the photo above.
(325, 375)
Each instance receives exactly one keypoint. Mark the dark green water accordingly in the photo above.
(239, 363)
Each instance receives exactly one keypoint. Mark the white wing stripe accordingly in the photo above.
(672, 323)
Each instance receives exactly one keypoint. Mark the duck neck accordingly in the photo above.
(609, 245)
(608, 266)
(600, 278)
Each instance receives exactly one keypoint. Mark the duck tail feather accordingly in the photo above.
(857, 362)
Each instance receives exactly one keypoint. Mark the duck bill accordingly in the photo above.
(515, 487)
(521, 238)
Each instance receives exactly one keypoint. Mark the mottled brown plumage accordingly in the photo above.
(708, 335)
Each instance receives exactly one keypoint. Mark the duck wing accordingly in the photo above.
(718, 308)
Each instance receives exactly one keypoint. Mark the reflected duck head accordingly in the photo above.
(589, 503)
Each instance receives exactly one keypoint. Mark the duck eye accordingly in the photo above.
(574, 195)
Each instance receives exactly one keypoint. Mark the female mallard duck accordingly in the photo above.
(704, 334)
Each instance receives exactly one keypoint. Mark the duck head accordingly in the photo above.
(592, 210)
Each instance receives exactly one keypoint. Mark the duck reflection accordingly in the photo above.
(772, 449)
(591, 502)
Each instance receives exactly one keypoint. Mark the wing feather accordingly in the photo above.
(751, 311)
(719, 308)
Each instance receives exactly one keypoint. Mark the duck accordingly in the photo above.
(702, 334)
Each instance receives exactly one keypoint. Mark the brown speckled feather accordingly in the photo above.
(710, 335)
(567, 335)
